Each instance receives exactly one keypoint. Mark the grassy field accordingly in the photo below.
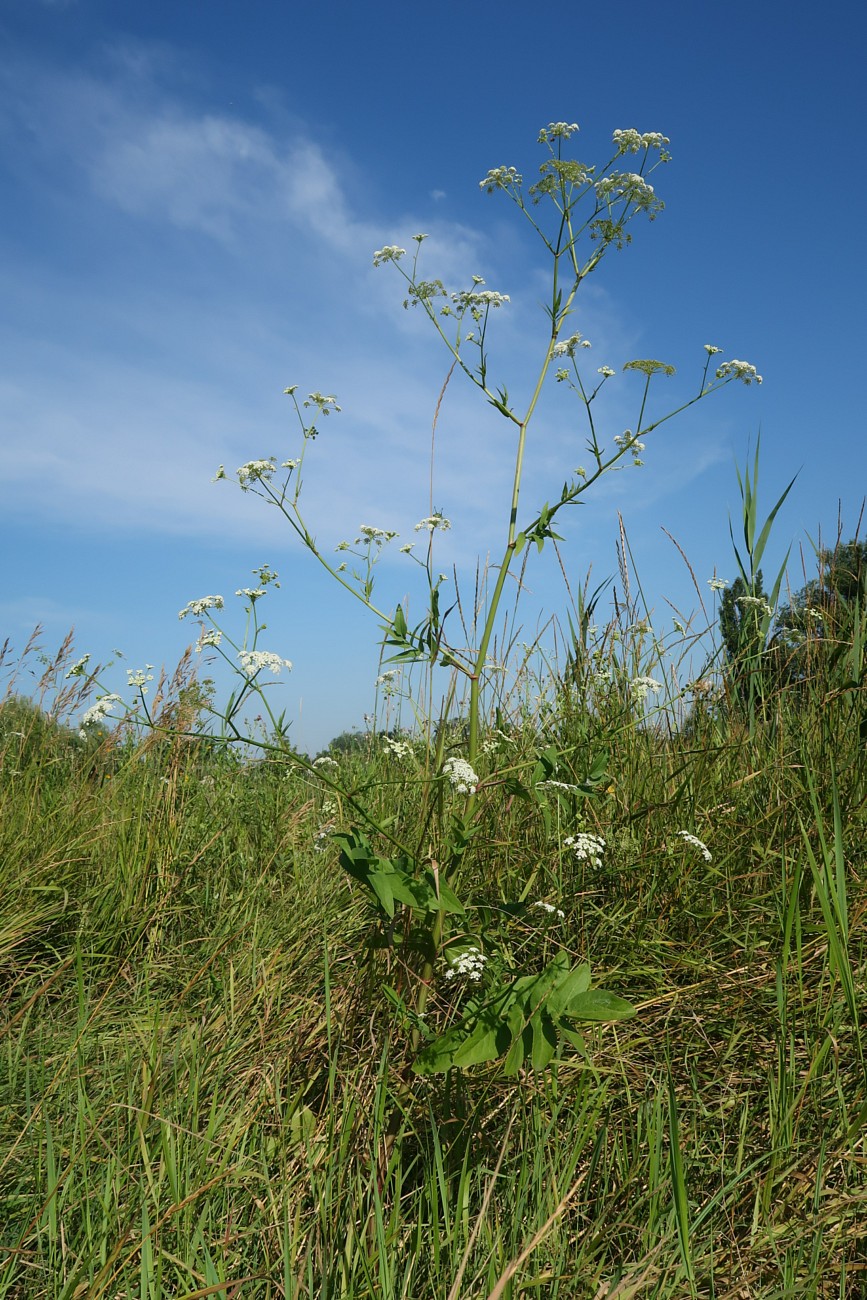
(206, 1035)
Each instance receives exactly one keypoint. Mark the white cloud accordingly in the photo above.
(123, 409)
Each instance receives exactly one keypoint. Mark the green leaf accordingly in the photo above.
(302, 1126)
(381, 883)
(518, 1051)
(575, 982)
(598, 1004)
(448, 900)
(544, 1040)
(466, 1044)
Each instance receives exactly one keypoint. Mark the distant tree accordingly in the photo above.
(743, 623)
(813, 630)
(348, 742)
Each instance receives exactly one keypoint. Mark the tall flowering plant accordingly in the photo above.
(580, 214)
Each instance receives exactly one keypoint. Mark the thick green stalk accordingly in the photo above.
(494, 604)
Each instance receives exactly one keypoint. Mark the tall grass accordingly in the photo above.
(201, 1073)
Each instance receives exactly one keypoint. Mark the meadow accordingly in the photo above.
(203, 1072)
(555, 993)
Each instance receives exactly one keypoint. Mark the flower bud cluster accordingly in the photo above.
(79, 669)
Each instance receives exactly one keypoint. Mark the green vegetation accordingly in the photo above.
(303, 1029)
(204, 1086)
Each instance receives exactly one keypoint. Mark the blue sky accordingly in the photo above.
(192, 196)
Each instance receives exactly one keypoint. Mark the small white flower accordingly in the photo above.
(212, 636)
(500, 178)
(140, 677)
(390, 253)
(432, 523)
(322, 836)
(626, 185)
(198, 607)
(696, 844)
(253, 661)
(550, 909)
(400, 748)
(468, 965)
(717, 584)
(79, 669)
(755, 602)
(460, 775)
(586, 847)
(367, 533)
(557, 131)
(631, 141)
(98, 711)
(325, 403)
(606, 372)
(558, 785)
(325, 761)
(251, 593)
(255, 470)
(711, 350)
(641, 685)
(739, 370)
(566, 347)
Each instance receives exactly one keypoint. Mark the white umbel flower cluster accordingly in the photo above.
(631, 141)
(739, 370)
(549, 909)
(253, 661)
(696, 844)
(586, 847)
(641, 685)
(470, 965)
(198, 607)
(461, 775)
(98, 712)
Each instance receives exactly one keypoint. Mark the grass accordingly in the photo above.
(202, 1080)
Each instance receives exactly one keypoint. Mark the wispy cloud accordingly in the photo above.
(130, 391)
